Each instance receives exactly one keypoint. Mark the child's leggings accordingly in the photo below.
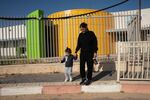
(68, 73)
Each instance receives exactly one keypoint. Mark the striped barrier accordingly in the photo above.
(63, 89)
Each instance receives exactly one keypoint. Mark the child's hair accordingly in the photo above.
(68, 50)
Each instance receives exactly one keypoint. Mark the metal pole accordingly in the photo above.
(139, 20)
(118, 63)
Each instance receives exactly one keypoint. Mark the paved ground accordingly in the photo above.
(53, 77)
(104, 96)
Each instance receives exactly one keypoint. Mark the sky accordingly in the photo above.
(23, 7)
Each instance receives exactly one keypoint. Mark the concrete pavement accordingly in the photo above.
(81, 96)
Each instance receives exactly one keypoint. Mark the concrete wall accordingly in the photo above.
(52, 68)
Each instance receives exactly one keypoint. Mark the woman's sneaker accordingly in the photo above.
(87, 82)
(82, 82)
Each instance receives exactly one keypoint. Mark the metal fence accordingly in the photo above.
(44, 40)
(134, 60)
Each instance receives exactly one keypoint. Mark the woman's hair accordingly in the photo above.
(68, 50)
(83, 24)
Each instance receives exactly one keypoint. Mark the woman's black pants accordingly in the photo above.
(86, 57)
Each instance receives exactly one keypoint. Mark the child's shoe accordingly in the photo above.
(66, 80)
(70, 80)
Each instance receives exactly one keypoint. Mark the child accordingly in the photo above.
(68, 59)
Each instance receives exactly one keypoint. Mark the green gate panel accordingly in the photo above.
(35, 44)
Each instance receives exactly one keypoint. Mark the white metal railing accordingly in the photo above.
(133, 60)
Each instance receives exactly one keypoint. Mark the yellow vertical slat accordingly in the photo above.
(73, 29)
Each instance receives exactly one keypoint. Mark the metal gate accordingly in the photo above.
(134, 60)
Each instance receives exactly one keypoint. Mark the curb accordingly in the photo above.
(20, 90)
(60, 88)
(103, 88)
(136, 88)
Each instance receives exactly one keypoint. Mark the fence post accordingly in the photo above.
(139, 21)
(118, 63)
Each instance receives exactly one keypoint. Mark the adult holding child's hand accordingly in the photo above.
(87, 42)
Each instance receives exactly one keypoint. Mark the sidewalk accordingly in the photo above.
(52, 83)
(53, 77)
